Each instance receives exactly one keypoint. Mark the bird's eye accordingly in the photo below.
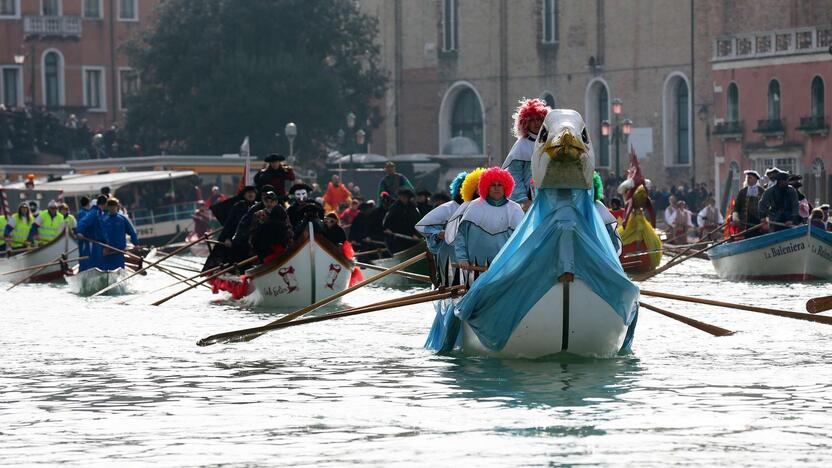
(584, 136)
(543, 135)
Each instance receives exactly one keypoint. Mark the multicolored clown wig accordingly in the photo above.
(598, 185)
(456, 184)
(469, 186)
(492, 175)
(527, 110)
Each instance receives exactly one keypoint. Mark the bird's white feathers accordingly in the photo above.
(571, 167)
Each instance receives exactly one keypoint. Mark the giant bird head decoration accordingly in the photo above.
(563, 155)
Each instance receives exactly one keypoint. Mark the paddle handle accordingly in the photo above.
(705, 327)
(819, 304)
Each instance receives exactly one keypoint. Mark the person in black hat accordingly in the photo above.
(400, 222)
(746, 213)
(241, 241)
(423, 202)
(360, 228)
(332, 231)
(276, 173)
(236, 214)
(269, 232)
(300, 200)
(779, 204)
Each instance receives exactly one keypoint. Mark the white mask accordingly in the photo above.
(300, 195)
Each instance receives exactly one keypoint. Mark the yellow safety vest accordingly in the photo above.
(21, 230)
(51, 227)
(2, 230)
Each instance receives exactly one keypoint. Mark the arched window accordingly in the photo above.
(682, 124)
(466, 119)
(548, 98)
(596, 110)
(52, 79)
(773, 100)
(733, 104)
(817, 97)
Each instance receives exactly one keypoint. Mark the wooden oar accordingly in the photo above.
(690, 247)
(214, 275)
(705, 327)
(205, 236)
(469, 267)
(251, 333)
(370, 252)
(762, 310)
(186, 280)
(406, 274)
(819, 304)
(244, 335)
(436, 295)
(671, 263)
(55, 262)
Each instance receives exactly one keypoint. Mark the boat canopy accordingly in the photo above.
(77, 185)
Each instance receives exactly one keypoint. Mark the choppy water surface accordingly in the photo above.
(98, 383)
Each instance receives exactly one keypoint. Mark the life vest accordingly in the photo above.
(51, 227)
(21, 230)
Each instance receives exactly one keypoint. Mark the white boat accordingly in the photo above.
(160, 203)
(88, 282)
(420, 268)
(310, 270)
(802, 253)
(41, 255)
(570, 317)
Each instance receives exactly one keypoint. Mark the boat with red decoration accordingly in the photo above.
(311, 269)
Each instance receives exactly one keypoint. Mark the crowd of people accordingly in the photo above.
(25, 132)
(101, 229)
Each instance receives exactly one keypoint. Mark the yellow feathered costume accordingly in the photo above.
(639, 229)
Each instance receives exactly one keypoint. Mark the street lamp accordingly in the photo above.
(619, 131)
(20, 59)
(291, 132)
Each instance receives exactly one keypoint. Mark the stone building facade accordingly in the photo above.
(458, 68)
(64, 55)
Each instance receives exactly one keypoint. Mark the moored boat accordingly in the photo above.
(41, 255)
(801, 253)
(88, 282)
(312, 269)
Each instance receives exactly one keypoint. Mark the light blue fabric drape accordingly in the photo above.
(562, 232)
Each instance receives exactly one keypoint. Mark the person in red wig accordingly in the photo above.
(489, 220)
(527, 123)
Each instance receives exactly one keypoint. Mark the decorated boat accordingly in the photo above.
(312, 269)
(641, 249)
(45, 254)
(88, 282)
(801, 253)
(557, 285)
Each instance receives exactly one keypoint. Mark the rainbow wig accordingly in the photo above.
(599, 186)
(528, 109)
(456, 184)
(496, 174)
(469, 186)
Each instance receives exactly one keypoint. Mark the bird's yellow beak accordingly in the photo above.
(565, 146)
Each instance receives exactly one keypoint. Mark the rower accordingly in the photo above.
(236, 214)
(69, 220)
(400, 222)
(116, 227)
(709, 218)
(489, 220)
(432, 226)
(270, 233)
(89, 227)
(332, 231)
(527, 122)
(746, 213)
(779, 204)
(48, 225)
(17, 228)
(680, 224)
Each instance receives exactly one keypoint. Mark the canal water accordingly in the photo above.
(97, 383)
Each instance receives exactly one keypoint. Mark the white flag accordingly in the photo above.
(244, 152)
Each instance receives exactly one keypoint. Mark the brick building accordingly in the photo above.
(458, 68)
(64, 55)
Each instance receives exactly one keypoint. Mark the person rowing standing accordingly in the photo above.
(779, 205)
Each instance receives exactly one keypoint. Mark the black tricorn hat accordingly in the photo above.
(249, 188)
(297, 187)
(274, 157)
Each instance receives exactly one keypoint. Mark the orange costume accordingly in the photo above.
(334, 196)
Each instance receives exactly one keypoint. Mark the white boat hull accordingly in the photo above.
(312, 270)
(88, 282)
(592, 327)
(797, 254)
(44, 254)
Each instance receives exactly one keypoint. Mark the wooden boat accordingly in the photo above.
(802, 253)
(88, 282)
(312, 269)
(43, 254)
(569, 317)
(421, 267)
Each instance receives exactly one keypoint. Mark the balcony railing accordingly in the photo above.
(773, 43)
(61, 26)
(813, 124)
(728, 129)
(770, 127)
